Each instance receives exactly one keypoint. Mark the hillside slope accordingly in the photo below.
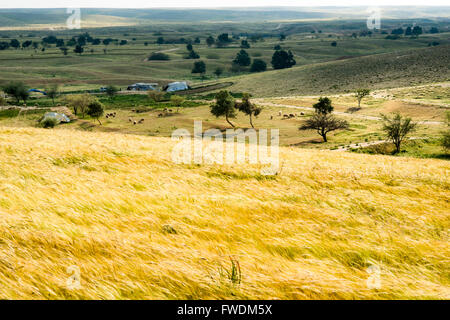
(380, 71)
(139, 226)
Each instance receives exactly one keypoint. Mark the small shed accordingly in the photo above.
(176, 86)
(60, 117)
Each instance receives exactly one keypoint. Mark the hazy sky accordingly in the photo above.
(205, 3)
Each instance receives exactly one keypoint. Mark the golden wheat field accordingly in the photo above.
(138, 225)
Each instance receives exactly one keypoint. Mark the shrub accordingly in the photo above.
(49, 123)
(158, 56)
(258, 65)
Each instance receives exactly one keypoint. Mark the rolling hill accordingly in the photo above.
(136, 225)
(401, 68)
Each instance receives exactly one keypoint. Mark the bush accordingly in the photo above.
(258, 65)
(158, 56)
(49, 123)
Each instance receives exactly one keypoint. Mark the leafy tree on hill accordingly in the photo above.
(197, 40)
(64, 50)
(192, 55)
(323, 106)
(322, 120)
(27, 43)
(60, 43)
(224, 106)
(408, 31)
(248, 108)
(18, 90)
(258, 65)
(189, 47)
(397, 128)
(416, 31)
(96, 110)
(14, 43)
(434, 30)
(4, 45)
(360, 94)
(79, 102)
(160, 40)
(242, 59)
(282, 59)
(398, 31)
(210, 41)
(245, 44)
(199, 67)
(223, 40)
(218, 72)
(334, 44)
(78, 49)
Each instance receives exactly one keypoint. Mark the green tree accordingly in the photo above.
(245, 44)
(160, 40)
(79, 102)
(78, 49)
(192, 55)
(210, 41)
(397, 128)
(218, 72)
(416, 31)
(248, 108)
(258, 65)
(96, 110)
(242, 59)
(14, 43)
(324, 123)
(224, 106)
(199, 67)
(323, 106)
(18, 90)
(408, 31)
(360, 94)
(283, 59)
(53, 92)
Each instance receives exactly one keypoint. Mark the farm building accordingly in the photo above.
(60, 117)
(143, 86)
(176, 86)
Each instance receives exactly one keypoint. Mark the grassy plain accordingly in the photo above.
(116, 207)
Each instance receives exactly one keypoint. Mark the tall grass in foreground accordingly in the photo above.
(138, 226)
